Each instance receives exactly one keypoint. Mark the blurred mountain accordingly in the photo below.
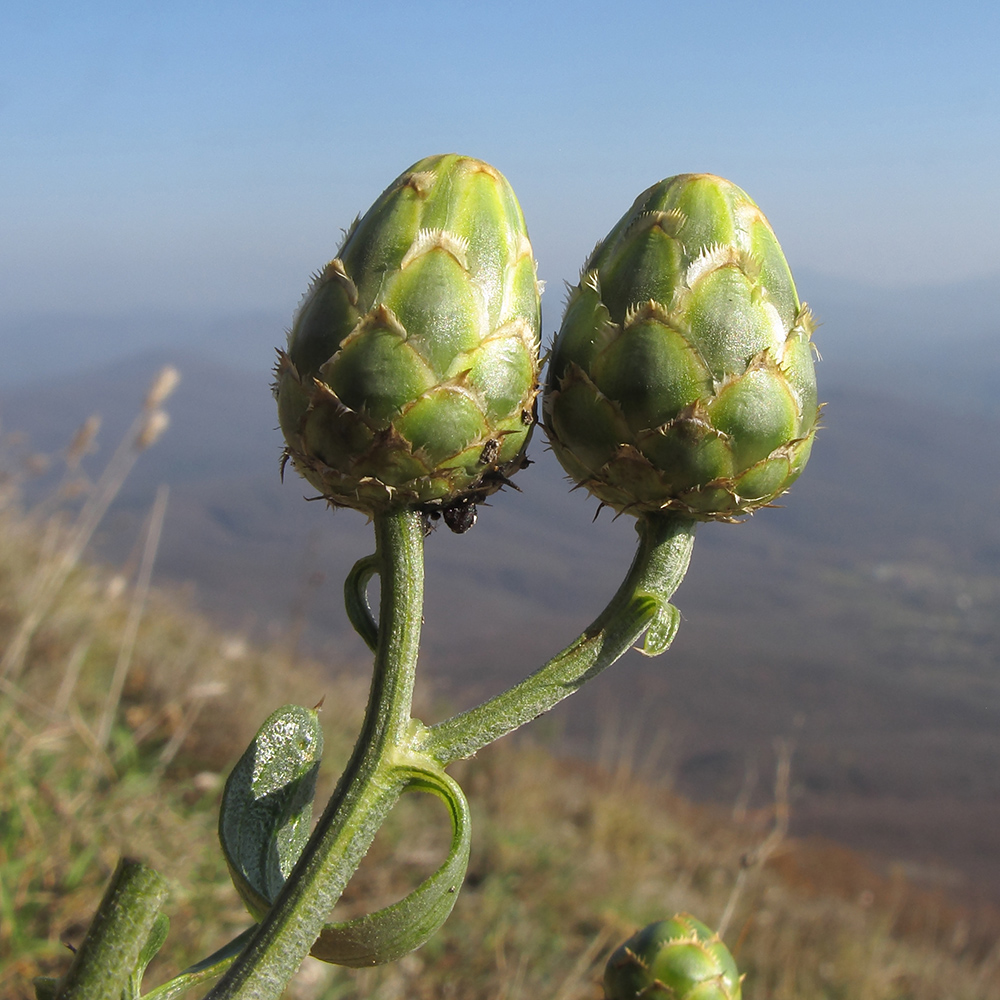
(932, 344)
(860, 621)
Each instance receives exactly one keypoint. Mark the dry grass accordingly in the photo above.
(568, 858)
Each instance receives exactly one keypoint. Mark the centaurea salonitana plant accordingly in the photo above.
(680, 389)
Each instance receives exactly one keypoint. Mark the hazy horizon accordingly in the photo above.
(937, 343)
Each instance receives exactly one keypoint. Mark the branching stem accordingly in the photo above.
(368, 788)
(662, 558)
(392, 747)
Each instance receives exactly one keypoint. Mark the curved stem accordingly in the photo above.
(368, 788)
(359, 611)
(665, 543)
(377, 772)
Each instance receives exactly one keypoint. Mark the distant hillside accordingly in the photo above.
(939, 344)
(935, 344)
(860, 620)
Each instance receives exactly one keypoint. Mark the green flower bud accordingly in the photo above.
(675, 959)
(412, 362)
(682, 376)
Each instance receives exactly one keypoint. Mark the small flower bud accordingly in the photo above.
(675, 959)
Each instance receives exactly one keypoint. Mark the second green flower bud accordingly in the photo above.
(682, 377)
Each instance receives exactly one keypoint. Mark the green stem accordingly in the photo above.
(390, 741)
(110, 952)
(665, 543)
(368, 788)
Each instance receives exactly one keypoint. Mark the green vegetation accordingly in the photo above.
(567, 859)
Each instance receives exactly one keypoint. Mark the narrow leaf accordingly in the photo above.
(157, 938)
(390, 933)
(204, 971)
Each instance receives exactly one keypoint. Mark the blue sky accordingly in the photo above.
(204, 156)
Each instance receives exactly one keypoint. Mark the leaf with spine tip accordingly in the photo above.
(390, 933)
(266, 810)
(661, 631)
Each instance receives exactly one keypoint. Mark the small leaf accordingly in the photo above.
(359, 611)
(157, 938)
(267, 805)
(204, 971)
(390, 933)
(661, 631)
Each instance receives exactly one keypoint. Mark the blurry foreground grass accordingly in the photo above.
(568, 859)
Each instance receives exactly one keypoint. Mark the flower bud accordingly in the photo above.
(412, 363)
(675, 959)
(682, 376)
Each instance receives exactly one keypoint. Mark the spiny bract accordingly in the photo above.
(682, 376)
(412, 364)
(675, 959)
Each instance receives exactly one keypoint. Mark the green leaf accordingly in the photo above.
(359, 611)
(661, 631)
(267, 805)
(157, 938)
(204, 971)
(390, 933)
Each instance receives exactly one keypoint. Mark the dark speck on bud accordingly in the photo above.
(490, 451)
(460, 516)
